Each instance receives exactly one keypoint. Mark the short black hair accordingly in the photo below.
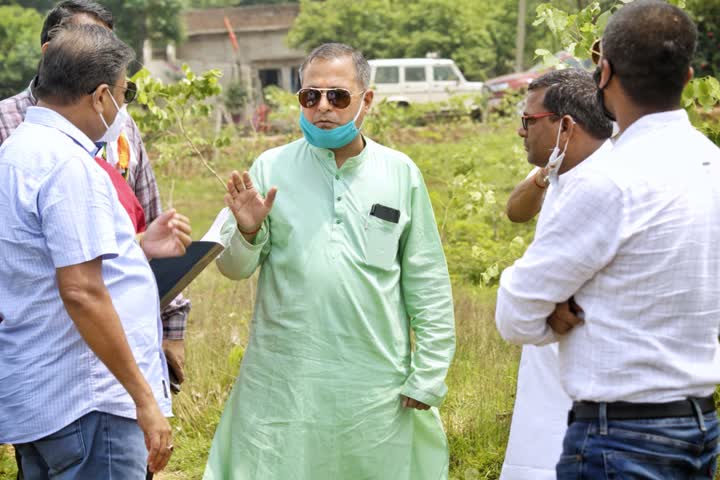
(573, 92)
(78, 60)
(649, 45)
(65, 10)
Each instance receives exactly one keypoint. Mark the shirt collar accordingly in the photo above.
(602, 150)
(653, 121)
(50, 118)
(328, 156)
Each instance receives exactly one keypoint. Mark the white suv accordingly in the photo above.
(418, 80)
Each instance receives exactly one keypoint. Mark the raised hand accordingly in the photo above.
(167, 236)
(247, 204)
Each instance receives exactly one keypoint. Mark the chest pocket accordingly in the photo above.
(381, 242)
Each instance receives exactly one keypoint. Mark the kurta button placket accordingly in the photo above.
(338, 209)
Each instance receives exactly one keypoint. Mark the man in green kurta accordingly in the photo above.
(331, 386)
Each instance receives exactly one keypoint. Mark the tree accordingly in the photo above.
(41, 6)
(480, 35)
(135, 20)
(233, 3)
(138, 20)
(521, 27)
(577, 32)
(707, 16)
(19, 48)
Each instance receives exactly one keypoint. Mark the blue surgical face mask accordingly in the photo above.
(337, 137)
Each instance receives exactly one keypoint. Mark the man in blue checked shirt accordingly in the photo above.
(83, 380)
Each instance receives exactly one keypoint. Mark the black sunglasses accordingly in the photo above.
(337, 97)
(130, 91)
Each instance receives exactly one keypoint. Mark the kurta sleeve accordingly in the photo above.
(241, 258)
(426, 289)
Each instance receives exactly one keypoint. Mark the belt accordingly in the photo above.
(632, 411)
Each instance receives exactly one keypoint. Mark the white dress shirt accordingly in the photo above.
(541, 404)
(635, 239)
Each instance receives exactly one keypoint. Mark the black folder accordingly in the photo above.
(174, 274)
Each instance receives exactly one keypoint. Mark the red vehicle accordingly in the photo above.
(496, 87)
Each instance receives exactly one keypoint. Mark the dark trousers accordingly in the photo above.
(19, 466)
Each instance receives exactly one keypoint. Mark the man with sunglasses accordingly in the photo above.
(126, 155)
(84, 384)
(564, 131)
(634, 242)
(350, 265)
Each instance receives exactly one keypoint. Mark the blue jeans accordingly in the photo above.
(95, 446)
(649, 449)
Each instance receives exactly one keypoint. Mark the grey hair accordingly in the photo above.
(330, 51)
(78, 60)
(573, 92)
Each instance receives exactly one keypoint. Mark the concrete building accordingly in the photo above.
(263, 57)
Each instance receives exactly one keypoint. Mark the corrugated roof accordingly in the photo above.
(250, 18)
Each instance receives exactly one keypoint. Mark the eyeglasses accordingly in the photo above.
(525, 119)
(337, 97)
(596, 51)
(130, 91)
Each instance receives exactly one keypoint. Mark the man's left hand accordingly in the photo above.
(408, 402)
(567, 315)
(175, 354)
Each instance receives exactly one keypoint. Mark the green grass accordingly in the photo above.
(482, 378)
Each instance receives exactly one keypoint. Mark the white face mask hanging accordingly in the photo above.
(112, 132)
(556, 157)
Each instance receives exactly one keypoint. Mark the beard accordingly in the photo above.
(601, 95)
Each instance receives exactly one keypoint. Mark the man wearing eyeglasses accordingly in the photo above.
(634, 242)
(564, 131)
(84, 384)
(126, 155)
(351, 263)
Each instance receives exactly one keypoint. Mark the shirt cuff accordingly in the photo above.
(428, 398)
(174, 326)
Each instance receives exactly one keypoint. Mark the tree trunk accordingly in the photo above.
(520, 38)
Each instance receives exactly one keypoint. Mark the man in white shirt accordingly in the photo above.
(634, 241)
(562, 111)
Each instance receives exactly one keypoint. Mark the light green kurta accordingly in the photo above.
(329, 354)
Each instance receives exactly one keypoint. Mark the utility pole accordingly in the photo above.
(520, 37)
